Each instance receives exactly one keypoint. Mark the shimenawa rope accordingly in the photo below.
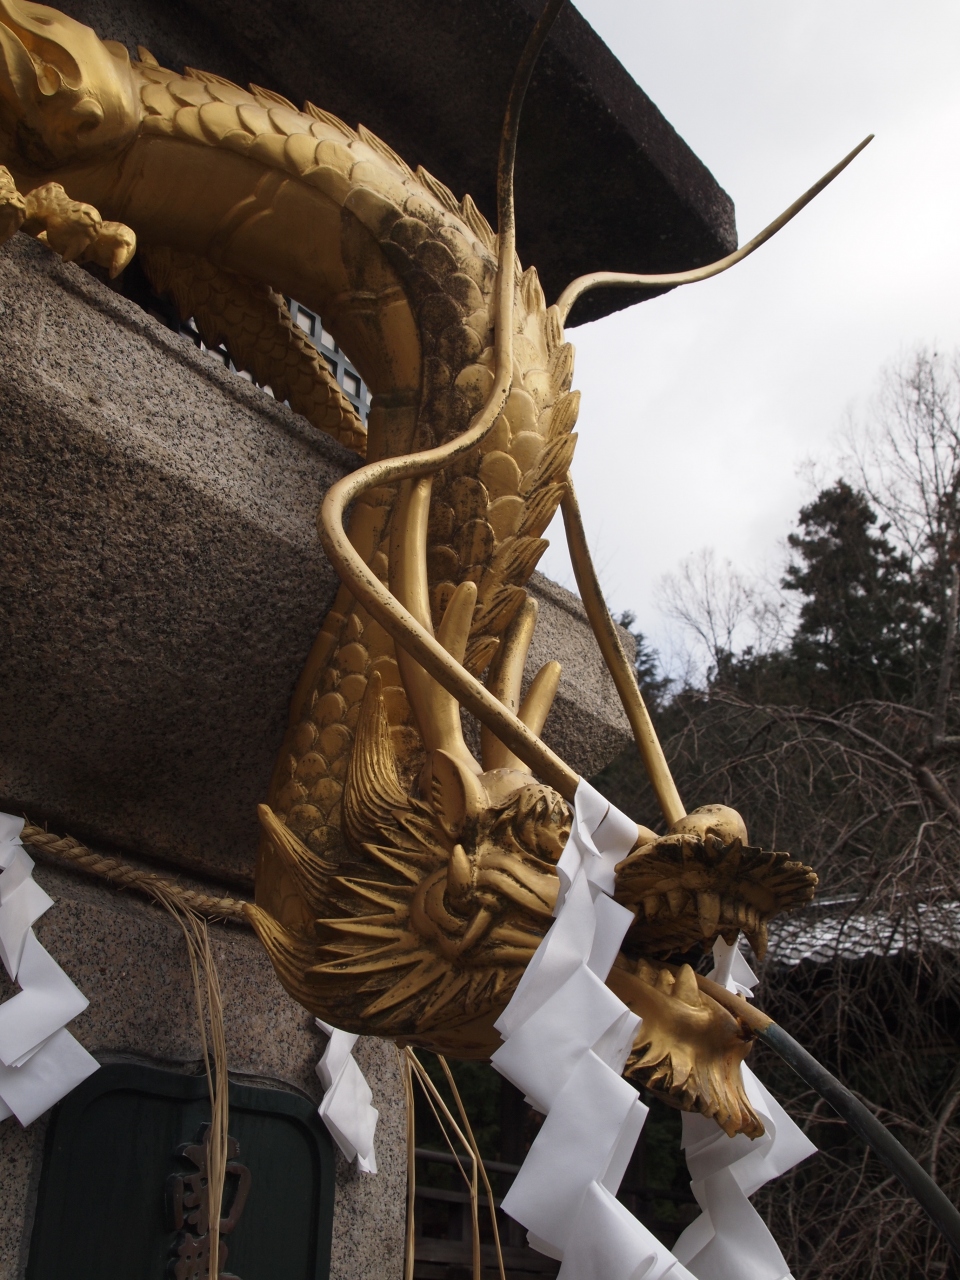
(123, 876)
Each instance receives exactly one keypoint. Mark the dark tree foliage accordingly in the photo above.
(841, 790)
(860, 616)
(654, 685)
(866, 627)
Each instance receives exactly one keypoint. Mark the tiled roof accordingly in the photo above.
(836, 929)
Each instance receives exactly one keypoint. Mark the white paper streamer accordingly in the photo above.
(566, 1041)
(40, 1061)
(729, 1241)
(346, 1107)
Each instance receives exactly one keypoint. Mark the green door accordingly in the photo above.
(123, 1165)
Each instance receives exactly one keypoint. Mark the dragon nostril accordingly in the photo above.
(89, 114)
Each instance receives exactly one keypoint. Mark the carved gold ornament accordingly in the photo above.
(402, 884)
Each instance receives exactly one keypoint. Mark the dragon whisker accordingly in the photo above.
(625, 280)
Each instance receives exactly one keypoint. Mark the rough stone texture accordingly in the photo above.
(163, 581)
(161, 575)
(586, 724)
(603, 181)
(20, 1155)
(129, 958)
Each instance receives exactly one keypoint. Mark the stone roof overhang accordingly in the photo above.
(603, 180)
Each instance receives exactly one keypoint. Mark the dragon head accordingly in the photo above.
(65, 94)
(425, 933)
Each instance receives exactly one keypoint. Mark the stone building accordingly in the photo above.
(161, 582)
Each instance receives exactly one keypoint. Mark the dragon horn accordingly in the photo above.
(504, 682)
(454, 631)
(437, 712)
(535, 707)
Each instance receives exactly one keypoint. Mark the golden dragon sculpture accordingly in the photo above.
(402, 884)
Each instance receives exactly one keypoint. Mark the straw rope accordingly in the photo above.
(206, 992)
(468, 1129)
(123, 876)
(406, 1072)
(435, 1101)
(413, 1069)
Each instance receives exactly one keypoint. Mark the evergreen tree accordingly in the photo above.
(646, 664)
(859, 620)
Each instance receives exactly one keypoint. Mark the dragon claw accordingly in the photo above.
(112, 249)
(67, 226)
(70, 228)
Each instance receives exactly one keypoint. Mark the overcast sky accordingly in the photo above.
(700, 407)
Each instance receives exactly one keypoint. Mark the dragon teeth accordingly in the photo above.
(758, 939)
(685, 988)
(708, 910)
(676, 899)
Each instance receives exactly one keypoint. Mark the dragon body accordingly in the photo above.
(402, 884)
